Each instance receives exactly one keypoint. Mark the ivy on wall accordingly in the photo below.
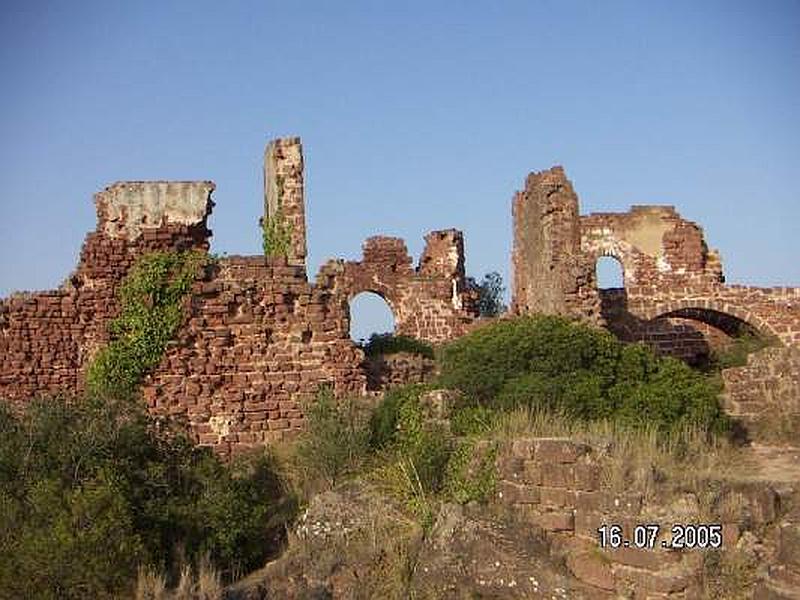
(151, 297)
(276, 234)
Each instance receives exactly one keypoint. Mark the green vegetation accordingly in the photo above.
(91, 490)
(735, 354)
(555, 364)
(490, 294)
(94, 492)
(527, 376)
(151, 298)
(99, 499)
(336, 438)
(388, 343)
(276, 233)
(470, 475)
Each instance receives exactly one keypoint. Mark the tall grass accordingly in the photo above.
(203, 583)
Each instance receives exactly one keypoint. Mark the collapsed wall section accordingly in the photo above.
(258, 339)
(674, 296)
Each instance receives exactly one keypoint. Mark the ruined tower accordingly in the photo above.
(548, 270)
(284, 218)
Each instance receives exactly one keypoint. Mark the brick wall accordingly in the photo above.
(46, 338)
(258, 342)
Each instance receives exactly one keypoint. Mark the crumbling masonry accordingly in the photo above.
(259, 338)
(674, 296)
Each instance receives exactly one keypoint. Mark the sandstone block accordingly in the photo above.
(591, 568)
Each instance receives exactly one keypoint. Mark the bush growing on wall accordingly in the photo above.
(553, 363)
(388, 343)
(151, 299)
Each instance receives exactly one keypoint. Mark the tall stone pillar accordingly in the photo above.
(284, 221)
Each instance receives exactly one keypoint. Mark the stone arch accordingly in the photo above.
(610, 246)
(729, 318)
(377, 309)
(613, 263)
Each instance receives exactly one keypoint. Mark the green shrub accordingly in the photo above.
(425, 444)
(151, 299)
(336, 439)
(551, 363)
(471, 474)
(735, 354)
(481, 363)
(399, 426)
(388, 343)
(90, 490)
(384, 420)
(472, 420)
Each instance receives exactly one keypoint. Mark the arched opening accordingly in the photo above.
(729, 324)
(613, 299)
(610, 275)
(707, 338)
(369, 314)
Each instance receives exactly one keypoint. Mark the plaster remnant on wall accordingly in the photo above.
(457, 303)
(129, 207)
(663, 265)
(220, 424)
(646, 228)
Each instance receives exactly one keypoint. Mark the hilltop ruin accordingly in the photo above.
(260, 337)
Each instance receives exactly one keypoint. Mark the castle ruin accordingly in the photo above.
(259, 337)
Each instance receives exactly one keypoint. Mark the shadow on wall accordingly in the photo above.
(694, 335)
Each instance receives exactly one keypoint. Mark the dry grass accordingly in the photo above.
(729, 574)
(641, 460)
(203, 584)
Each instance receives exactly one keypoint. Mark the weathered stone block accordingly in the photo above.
(591, 568)
(514, 493)
(557, 450)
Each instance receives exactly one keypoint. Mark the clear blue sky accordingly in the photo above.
(414, 116)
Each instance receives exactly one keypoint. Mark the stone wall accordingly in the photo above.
(258, 339)
(46, 338)
(558, 486)
(765, 393)
(284, 193)
(674, 298)
(431, 302)
(391, 370)
(550, 273)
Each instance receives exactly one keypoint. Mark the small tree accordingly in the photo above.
(490, 294)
